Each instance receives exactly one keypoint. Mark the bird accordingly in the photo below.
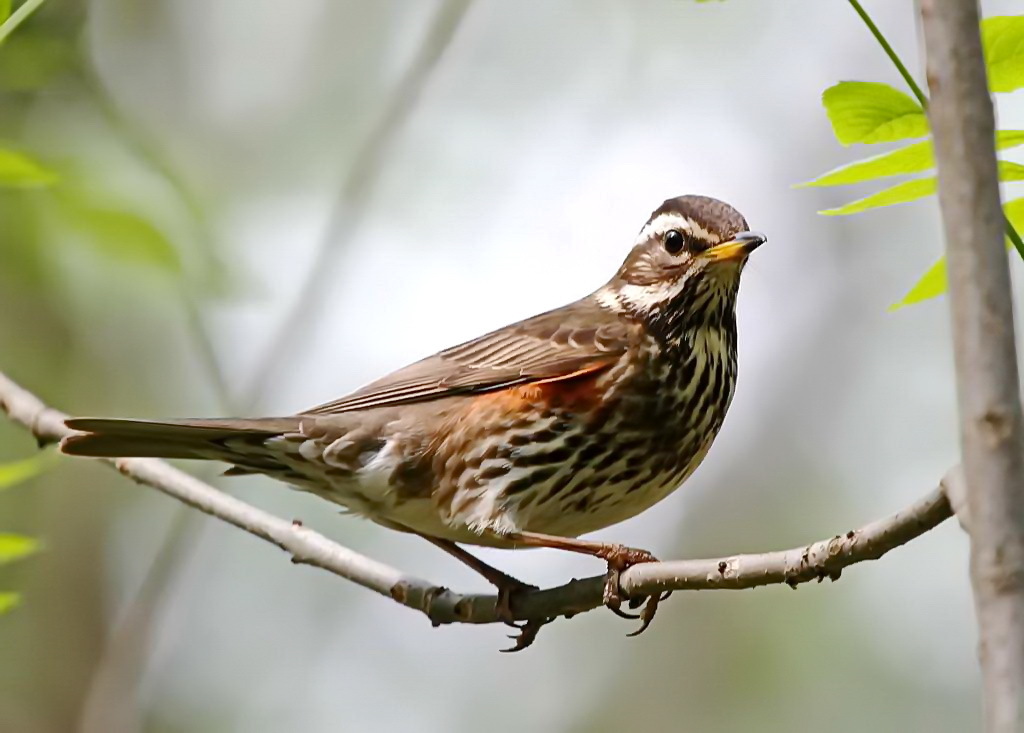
(531, 435)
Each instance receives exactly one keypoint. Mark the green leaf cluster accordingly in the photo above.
(107, 226)
(14, 547)
(871, 113)
(18, 170)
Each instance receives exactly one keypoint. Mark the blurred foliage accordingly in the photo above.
(114, 232)
(15, 472)
(872, 112)
(18, 170)
(13, 546)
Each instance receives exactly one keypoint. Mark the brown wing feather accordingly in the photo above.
(562, 343)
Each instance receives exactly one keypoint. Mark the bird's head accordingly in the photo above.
(687, 260)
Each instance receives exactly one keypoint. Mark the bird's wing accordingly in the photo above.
(568, 342)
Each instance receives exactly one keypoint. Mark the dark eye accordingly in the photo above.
(674, 241)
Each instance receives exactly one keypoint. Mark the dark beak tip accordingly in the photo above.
(752, 239)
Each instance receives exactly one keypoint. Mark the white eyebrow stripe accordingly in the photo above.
(702, 233)
(671, 220)
(663, 223)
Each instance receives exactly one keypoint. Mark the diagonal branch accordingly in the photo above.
(817, 561)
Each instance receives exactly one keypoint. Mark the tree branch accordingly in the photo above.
(817, 561)
(991, 423)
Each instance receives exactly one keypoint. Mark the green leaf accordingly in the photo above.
(19, 170)
(1003, 39)
(913, 190)
(870, 112)
(1014, 211)
(121, 235)
(5, 10)
(931, 284)
(17, 471)
(934, 282)
(912, 158)
(8, 601)
(898, 194)
(16, 546)
(1010, 171)
(909, 159)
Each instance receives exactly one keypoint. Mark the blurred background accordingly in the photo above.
(263, 205)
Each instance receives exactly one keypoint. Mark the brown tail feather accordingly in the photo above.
(110, 438)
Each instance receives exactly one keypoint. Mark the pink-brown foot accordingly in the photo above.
(620, 558)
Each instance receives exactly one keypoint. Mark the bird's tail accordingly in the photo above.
(221, 439)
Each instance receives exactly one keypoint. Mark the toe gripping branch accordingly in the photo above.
(620, 559)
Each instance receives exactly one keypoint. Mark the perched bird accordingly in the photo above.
(528, 436)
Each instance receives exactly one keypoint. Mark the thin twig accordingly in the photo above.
(18, 17)
(816, 561)
(988, 390)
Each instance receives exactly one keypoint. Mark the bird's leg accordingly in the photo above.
(507, 588)
(618, 557)
(507, 585)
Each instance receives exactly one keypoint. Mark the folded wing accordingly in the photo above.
(578, 339)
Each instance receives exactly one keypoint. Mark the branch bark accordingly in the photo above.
(819, 560)
(992, 442)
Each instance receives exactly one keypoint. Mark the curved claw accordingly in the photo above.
(527, 634)
(619, 559)
(647, 615)
(622, 614)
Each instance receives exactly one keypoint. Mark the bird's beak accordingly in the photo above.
(736, 248)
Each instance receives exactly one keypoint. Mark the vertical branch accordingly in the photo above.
(988, 391)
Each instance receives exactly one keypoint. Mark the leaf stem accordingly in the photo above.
(1011, 232)
(1015, 238)
(890, 52)
(17, 17)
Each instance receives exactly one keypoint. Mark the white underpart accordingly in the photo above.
(643, 298)
(489, 513)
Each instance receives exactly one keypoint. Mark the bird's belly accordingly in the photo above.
(596, 500)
